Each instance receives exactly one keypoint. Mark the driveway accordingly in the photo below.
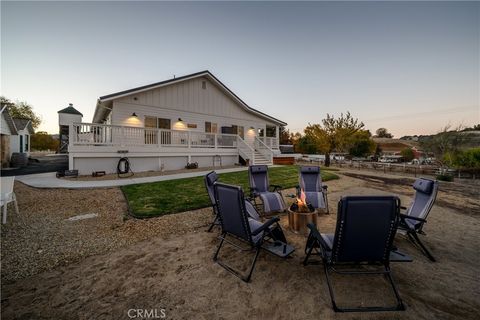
(39, 164)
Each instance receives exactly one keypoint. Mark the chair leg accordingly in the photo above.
(399, 307)
(230, 269)
(424, 249)
(4, 217)
(15, 202)
(325, 197)
(213, 224)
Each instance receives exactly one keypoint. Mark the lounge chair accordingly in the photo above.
(210, 179)
(412, 221)
(364, 234)
(269, 194)
(310, 183)
(237, 223)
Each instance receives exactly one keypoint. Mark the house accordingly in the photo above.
(166, 125)
(21, 142)
(7, 130)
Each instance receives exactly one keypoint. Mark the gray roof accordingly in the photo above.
(71, 110)
(8, 118)
(22, 124)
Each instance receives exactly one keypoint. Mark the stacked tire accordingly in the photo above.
(19, 159)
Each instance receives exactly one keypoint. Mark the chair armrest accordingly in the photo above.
(276, 187)
(404, 216)
(266, 225)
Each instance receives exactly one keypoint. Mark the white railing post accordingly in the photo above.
(159, 136)
(122, 142)
(189, 139)
(71, 135)
(215, 141)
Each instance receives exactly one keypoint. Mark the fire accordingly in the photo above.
(302, 203)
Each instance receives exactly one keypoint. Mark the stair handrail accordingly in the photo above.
(263, 149)
(248, 153)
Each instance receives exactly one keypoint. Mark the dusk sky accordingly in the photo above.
(410, 67)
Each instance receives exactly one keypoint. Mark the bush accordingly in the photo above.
(445, 177)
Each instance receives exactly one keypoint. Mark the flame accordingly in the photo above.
(302, 203)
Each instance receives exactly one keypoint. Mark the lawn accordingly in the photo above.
(164, 197)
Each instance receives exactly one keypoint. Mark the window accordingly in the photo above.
(210, 127)
(271, 131)
(261, 132)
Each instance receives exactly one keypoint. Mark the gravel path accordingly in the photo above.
(41, 238)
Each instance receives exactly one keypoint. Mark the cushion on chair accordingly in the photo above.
(310, 169)
(272, 201)
(258, 169)
(315, 199)
(252, 212)
(254, 225)
(423, 185)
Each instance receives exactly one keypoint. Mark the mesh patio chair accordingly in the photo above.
(310, 183)
(238, 224)
(210, 179)
(270, 195)
(363, 238)
(412, 221)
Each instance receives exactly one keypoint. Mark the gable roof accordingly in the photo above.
(70, 110)
(9, 120)
(103, 101)
(22, 124)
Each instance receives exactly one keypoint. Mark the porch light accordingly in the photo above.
(134, 115)
(252, 128)
(180, 119)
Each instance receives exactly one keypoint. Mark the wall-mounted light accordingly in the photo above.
(180, 119)
(134, 115)
(252, 128)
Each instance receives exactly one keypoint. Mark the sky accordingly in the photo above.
(412, 67)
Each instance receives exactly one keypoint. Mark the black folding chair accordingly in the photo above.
(310, 183)
(237, 223)
(210, 179)
(260, 187)
(364, 234)
(412, 221)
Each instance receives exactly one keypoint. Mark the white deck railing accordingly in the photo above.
(270, 142)
(245, 150)
(263, 149)
(93, 134)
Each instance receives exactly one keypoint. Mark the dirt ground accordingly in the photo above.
(113, 265)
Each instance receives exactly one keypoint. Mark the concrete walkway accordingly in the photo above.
(49, 180)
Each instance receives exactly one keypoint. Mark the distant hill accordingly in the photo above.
(470, 138)
(389, 145)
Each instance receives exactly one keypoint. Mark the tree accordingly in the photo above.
(407, 154)
(304, 144)
(43, 141)
(361, 144)
(383, 133)
(333, 134)
(22, 110)
(285, 136)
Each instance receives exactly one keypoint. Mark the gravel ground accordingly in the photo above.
(40, 238)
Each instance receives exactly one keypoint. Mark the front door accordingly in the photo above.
(21, 144)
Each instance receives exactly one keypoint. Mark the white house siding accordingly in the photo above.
(188, 101)
(65, 119)
(86, 163)
(15, 141)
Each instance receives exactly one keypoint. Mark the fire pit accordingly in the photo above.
(300, 214)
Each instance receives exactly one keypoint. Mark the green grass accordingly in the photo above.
(165, 197)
